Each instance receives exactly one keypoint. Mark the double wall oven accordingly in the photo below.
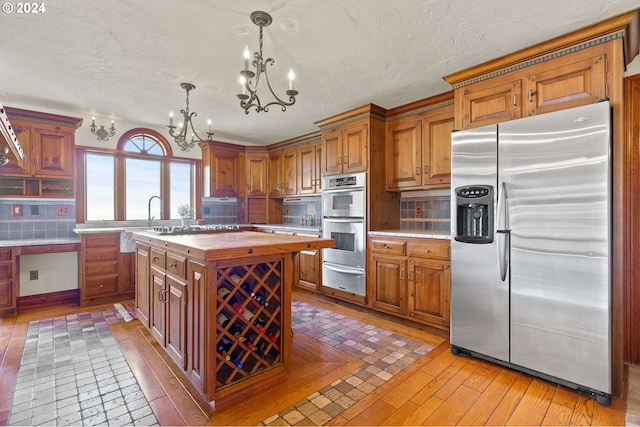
(344, 221)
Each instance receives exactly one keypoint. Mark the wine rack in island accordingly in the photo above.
(249, 320)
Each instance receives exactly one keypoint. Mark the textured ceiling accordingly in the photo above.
(125, 59)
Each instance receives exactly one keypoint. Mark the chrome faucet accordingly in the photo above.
(149, 217)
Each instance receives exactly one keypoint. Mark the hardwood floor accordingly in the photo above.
(438, 389)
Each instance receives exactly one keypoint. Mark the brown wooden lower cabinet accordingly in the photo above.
(410, 278)
(8, 277)
(106, 274)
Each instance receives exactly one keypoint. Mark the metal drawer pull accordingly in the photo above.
(401, 274)
(515, 99)
(531, 94)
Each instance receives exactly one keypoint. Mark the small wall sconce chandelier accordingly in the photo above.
(102, 133)
(181, 136)
(251, 99)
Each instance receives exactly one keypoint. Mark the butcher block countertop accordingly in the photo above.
(231, 245)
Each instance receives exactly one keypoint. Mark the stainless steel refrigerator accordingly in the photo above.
(530, 251)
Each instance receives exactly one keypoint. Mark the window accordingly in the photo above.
(120, 184)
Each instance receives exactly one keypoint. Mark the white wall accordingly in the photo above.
(633, 67)
(56, 272)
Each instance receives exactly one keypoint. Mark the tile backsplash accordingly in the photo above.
(36, 219)
(425, 213)
(220, 210)
(305, 211)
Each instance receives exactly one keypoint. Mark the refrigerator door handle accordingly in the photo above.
(502, 232)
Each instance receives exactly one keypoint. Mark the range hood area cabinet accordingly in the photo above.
(48, 142)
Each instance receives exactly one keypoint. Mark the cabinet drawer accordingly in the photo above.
(101, 254)
(429, 249)
(389, 247)
(101, 240)
(101, 285)
(6, 270)
(158, 258)
(48, 249)
(177, 264)
(100, 268)
(5, 254)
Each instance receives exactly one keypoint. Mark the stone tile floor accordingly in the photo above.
(73, 373)
(385, 353)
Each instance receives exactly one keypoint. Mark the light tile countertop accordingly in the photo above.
(419, 234)
(45, 241)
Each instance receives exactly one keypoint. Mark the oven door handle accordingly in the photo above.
(340, 270)
(344, 220)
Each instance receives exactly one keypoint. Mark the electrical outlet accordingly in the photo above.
(418, 211)
(33, 275)
(64, 210)
(16, 210)
(286, 211)
(35, 210)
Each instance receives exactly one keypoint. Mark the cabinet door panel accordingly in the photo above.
(483, 105)
(306, 169)
(256, 176)
(196, 322)
(158, 312)
(289, 172)
(52, 153)
(275, 174)
(143, 286)
(354, 149)
(176, 331)
(225, 173)
(429, 291)
(567, 86)
(7, 296)
(15, 167)
(388, 276)
(437, 151)
(404, 155)
(331, 152)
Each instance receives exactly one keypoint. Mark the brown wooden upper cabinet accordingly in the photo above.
(577, 78)
(345, 148)
(418, 150)
(221, 170)
(309, 168)
(256, 172)
(49, 151)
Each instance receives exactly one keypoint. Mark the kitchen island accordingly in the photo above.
(220, 306)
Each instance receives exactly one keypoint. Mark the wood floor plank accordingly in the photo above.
(483, 376)
(582, 411)
(438, 382)
(457, 380)
(399, 417)
(491, 397)
(558, 415)
(424, 411)
(166, 413)
(615, 415)
(510, 401)
(410, 387)
(373, 415)
(454, 408)
(534, 404)
(175, 391)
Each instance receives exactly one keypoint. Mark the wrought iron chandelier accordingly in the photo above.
(102, 133)
(181, 136)
(249, 96)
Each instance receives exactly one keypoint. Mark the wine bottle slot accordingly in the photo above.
(226, 295)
